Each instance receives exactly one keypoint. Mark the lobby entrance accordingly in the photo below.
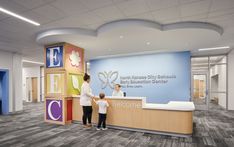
(209, 82)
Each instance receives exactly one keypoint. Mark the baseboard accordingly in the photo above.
(143, 130)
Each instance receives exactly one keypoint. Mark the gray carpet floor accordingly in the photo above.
(211, 128)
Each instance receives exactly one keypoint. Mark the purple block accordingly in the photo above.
(54, 110)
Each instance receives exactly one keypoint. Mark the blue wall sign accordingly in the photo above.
(160, 77)
(54, 57)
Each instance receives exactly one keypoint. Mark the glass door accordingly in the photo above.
(209, 80)
(200, 74)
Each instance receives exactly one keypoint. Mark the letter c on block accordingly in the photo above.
(49, 110)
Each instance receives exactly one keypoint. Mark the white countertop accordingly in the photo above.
(172, 105)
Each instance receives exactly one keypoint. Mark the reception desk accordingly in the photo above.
(135, 113)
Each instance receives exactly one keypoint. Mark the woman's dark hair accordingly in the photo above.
(86, 77)
(118, 85)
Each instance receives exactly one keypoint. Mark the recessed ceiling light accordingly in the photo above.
(214, 48)
(121, 36)
(18, 16)
(147, 43)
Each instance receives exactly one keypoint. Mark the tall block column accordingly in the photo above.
(64, 70)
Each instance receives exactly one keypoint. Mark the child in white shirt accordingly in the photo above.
(102, 110)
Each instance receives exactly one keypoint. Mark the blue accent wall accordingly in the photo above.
(4, 76)
(160, 77)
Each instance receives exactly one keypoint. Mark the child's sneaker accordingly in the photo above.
(104, 129)
(98, 129)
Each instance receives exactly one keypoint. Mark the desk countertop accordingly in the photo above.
(172, 105)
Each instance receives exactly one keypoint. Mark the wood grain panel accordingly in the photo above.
(129, 113)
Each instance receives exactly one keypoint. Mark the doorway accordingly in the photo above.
(199, 89)
(209, 80)
(32, 89)
(4, 92)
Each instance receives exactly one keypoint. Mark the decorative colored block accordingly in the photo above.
(74, 58)
(74, 83)
(54, 57)
(55, 83)
(54, 110)
(69, 110)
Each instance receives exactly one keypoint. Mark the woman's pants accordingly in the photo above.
(102, 120)
(87, 114)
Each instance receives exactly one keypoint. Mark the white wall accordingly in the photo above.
(17, 85)
(42, 84)
(29, 72)
(231, 80)
(220, 70)
(13, 63)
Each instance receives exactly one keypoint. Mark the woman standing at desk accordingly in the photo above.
(117, 91)
(86, 101)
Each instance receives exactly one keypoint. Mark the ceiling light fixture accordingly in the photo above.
(28, 61)
(214, 48)
(147, 43)
(19, 17)
(121, 37)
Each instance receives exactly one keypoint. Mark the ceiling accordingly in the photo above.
(18, 36)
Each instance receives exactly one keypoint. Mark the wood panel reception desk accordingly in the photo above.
(135, 113)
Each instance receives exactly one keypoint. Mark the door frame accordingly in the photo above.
(5, 91)
(207, 97)
(209, 86)
(36, 88)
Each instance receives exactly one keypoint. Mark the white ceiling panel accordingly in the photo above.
(188, 1)
(195, 8)
(109, 13)
(118, 1)
(70, 7)
(49, 12)
(95, 4)
(30, 4)
(133, 7)
(161, 4)
(65, 22)
(12, 6)
(89, 18)
(224, 20)
(17, 26)
(167, 14)
(221, 4)
(220, 13)
(3, 16)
